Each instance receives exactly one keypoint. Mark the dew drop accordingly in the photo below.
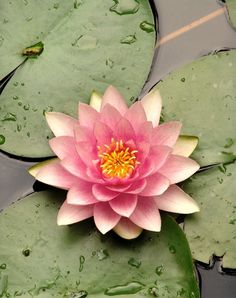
(110, 63)
(2, 139)
(134, 262)
(28, 19)
(25, 2)
(26, 107)
(81, 263)
(3, 266)
(147, 27)
(153, 291)
(15, 97)
(56, 5)
(9, 117)
(85, 42)
(129, 288)
(102, 254)
(229, 143)
(182, 80)
(19, 127)
(129, 39)
(159, 270)
(172, 249)
(80, 294)
(15, 84)
(5, 21)
(77, 3)
(26, 252)
(123, 7)
(1, 40)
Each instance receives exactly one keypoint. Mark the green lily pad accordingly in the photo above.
(202, 95)
(83, 50)
(38, 258)
(213, 229)
(231, 7)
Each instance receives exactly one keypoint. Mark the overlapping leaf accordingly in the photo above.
(83, 51)
(202, 95)
(41, 259)
(212, 231)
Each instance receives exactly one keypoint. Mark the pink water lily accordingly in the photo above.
(119, 166)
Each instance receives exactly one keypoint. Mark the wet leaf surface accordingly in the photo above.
(38, 258)
(82, 51)
(212, 230)
(202, 95)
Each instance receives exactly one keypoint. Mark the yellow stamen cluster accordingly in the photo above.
(117, 159)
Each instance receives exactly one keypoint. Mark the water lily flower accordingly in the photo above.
(118, 164)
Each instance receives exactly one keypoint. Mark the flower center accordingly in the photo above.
(117, 159)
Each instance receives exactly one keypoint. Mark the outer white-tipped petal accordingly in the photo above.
(69, 214)
(33, 171)
(152, 104)
(114, 98)
(127, 229)
(177, 201)
(185, 145)
(96, 101)
(178, 168)
(146, 214)
(104, 217)
(61, 124)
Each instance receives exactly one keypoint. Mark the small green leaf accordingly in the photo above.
(77, 261)
(34, 50)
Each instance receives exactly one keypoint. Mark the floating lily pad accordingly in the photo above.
(202, 95)
(231, 7)
(213, 229)
(83, 50)
(38, 258)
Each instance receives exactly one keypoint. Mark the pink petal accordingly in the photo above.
(124, 204)
(157, 157)
(146, 214)
(137, 186)
(110, 116)
(144, 133)
(126, 229)
(84, 134)
(63, 146)
(119, 188)
(87, 152)
(166, 134)
(152, 105)
(124, 131)
(61, 124)
(156, 185)
(178, 168)
(136, 115)
(54, 174)
(102, 193)
(102, 133)
(69, 214)
(75, 166)
(114, 98)
(177, 201)
(104, 217)
(87, 115)
(81, 194)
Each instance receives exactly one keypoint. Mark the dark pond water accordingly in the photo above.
(173, 50)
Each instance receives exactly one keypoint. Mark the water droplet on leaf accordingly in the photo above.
(123, 7)
(147, 27)
(129, 288)
(2, 139)
(134, 262)
(129, 39)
